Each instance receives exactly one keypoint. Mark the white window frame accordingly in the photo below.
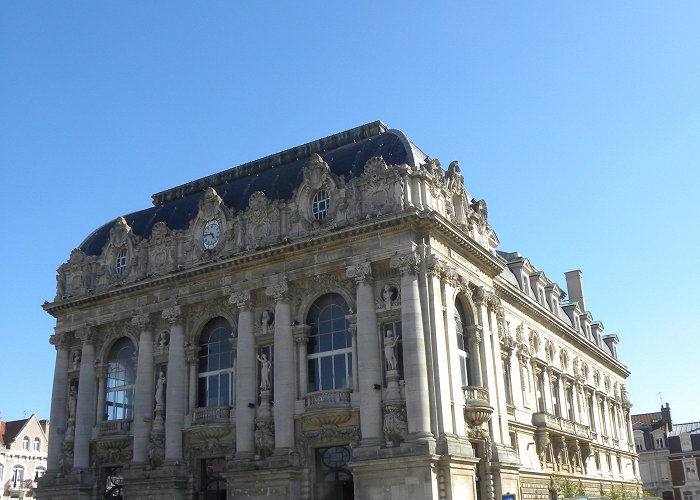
(17, 480)
(36, 444)
(202, 400)
(320, 205)
(26, 443)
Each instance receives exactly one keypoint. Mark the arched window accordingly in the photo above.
(38, 474)
(121, 374)
(25, 443)
(17, 477)
(463, 345)
(216, 363)
(329, 350)
(37, 444)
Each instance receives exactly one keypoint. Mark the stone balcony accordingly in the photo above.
(476, 405)
(560, 425)
(336, 398)
(211, 415)
(115, 427)
(332, 407)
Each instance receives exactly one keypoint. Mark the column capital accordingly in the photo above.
(86, 334)
(101, 370)
(141, 321)
(58, 340)
(279, 290)
(172, 314)
(242, 299)
(406, 263)
(362, 272)
(437, 267)
(191, 353)
(482, 297)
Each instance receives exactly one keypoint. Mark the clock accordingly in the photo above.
(211, 234)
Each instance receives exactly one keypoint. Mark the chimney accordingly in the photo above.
(574, 287)
(666, 413)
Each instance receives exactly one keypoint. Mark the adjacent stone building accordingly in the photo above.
(23, 445)
(332, 321)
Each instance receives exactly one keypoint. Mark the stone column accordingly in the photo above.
(192, 358)
(548, 401)
(301, 337)
(101, 374)
(415, 366)
(369, 363)
(175, 387)
(441, 376)
(85, 412)
(455, 377)
(495, 311)
(246, 374)
(59, 402)
(284, 367)
(597, 417)
(143, 404)
(562, 397)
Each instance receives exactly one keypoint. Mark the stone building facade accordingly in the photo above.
(332, 321)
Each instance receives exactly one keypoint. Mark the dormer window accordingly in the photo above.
(120, 261)
(320, 205)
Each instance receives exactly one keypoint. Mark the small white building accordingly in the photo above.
(23, 452)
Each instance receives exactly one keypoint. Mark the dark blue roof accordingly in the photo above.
(277, 176)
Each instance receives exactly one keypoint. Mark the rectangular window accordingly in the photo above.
(539, 380)
(506, 378)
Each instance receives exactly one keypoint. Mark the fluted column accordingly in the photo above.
(441, 376)
(369, 364)
(284, 366)
(455, 378)
(85, 412)
(191, 359)
(245, 373)
(59, 402)
(415, 366)
(143, 404)
(175, 388)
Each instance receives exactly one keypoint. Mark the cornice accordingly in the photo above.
(529, 306)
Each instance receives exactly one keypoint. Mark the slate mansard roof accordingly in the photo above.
(277, 176)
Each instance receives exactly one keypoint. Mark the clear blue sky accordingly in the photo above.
(578, 122)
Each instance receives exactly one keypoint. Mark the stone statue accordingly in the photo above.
(265, 321)
(160, 386)
(390, 350)
(72, 401)
(76, 359)
(163, 339)
(265, 366)
(387, 293)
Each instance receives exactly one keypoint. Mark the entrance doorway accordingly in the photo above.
(333, 477)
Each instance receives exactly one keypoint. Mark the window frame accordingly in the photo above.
(222, 329)
(119, 392)
(321, 204)
(324, 363)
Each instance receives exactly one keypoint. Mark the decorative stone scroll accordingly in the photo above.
(362, 272)
(172, 314)
(407, 263)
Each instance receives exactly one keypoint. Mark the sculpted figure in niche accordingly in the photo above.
(72, 401)
(76, 359)
(160, 388)
(265, 366)
(390, 342)
(266, 321)
(163, 339)
(388, 294)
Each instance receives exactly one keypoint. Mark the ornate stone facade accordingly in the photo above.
(331, 321)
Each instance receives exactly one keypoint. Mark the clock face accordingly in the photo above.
(211, 234)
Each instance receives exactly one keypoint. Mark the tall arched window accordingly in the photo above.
(463, 345)
(37, 444)
(329, 350)
(216, 363)
(121, 374)
(25, 443)
(17, 476)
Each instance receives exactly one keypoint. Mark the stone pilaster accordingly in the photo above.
(59, 402)
(415, 367)
(175, 385)
(143, 397)
(284, 366)
(437, 270)
(246, 373)
(301, 337)
(369, 364)
(455, 378)
(85, 412)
